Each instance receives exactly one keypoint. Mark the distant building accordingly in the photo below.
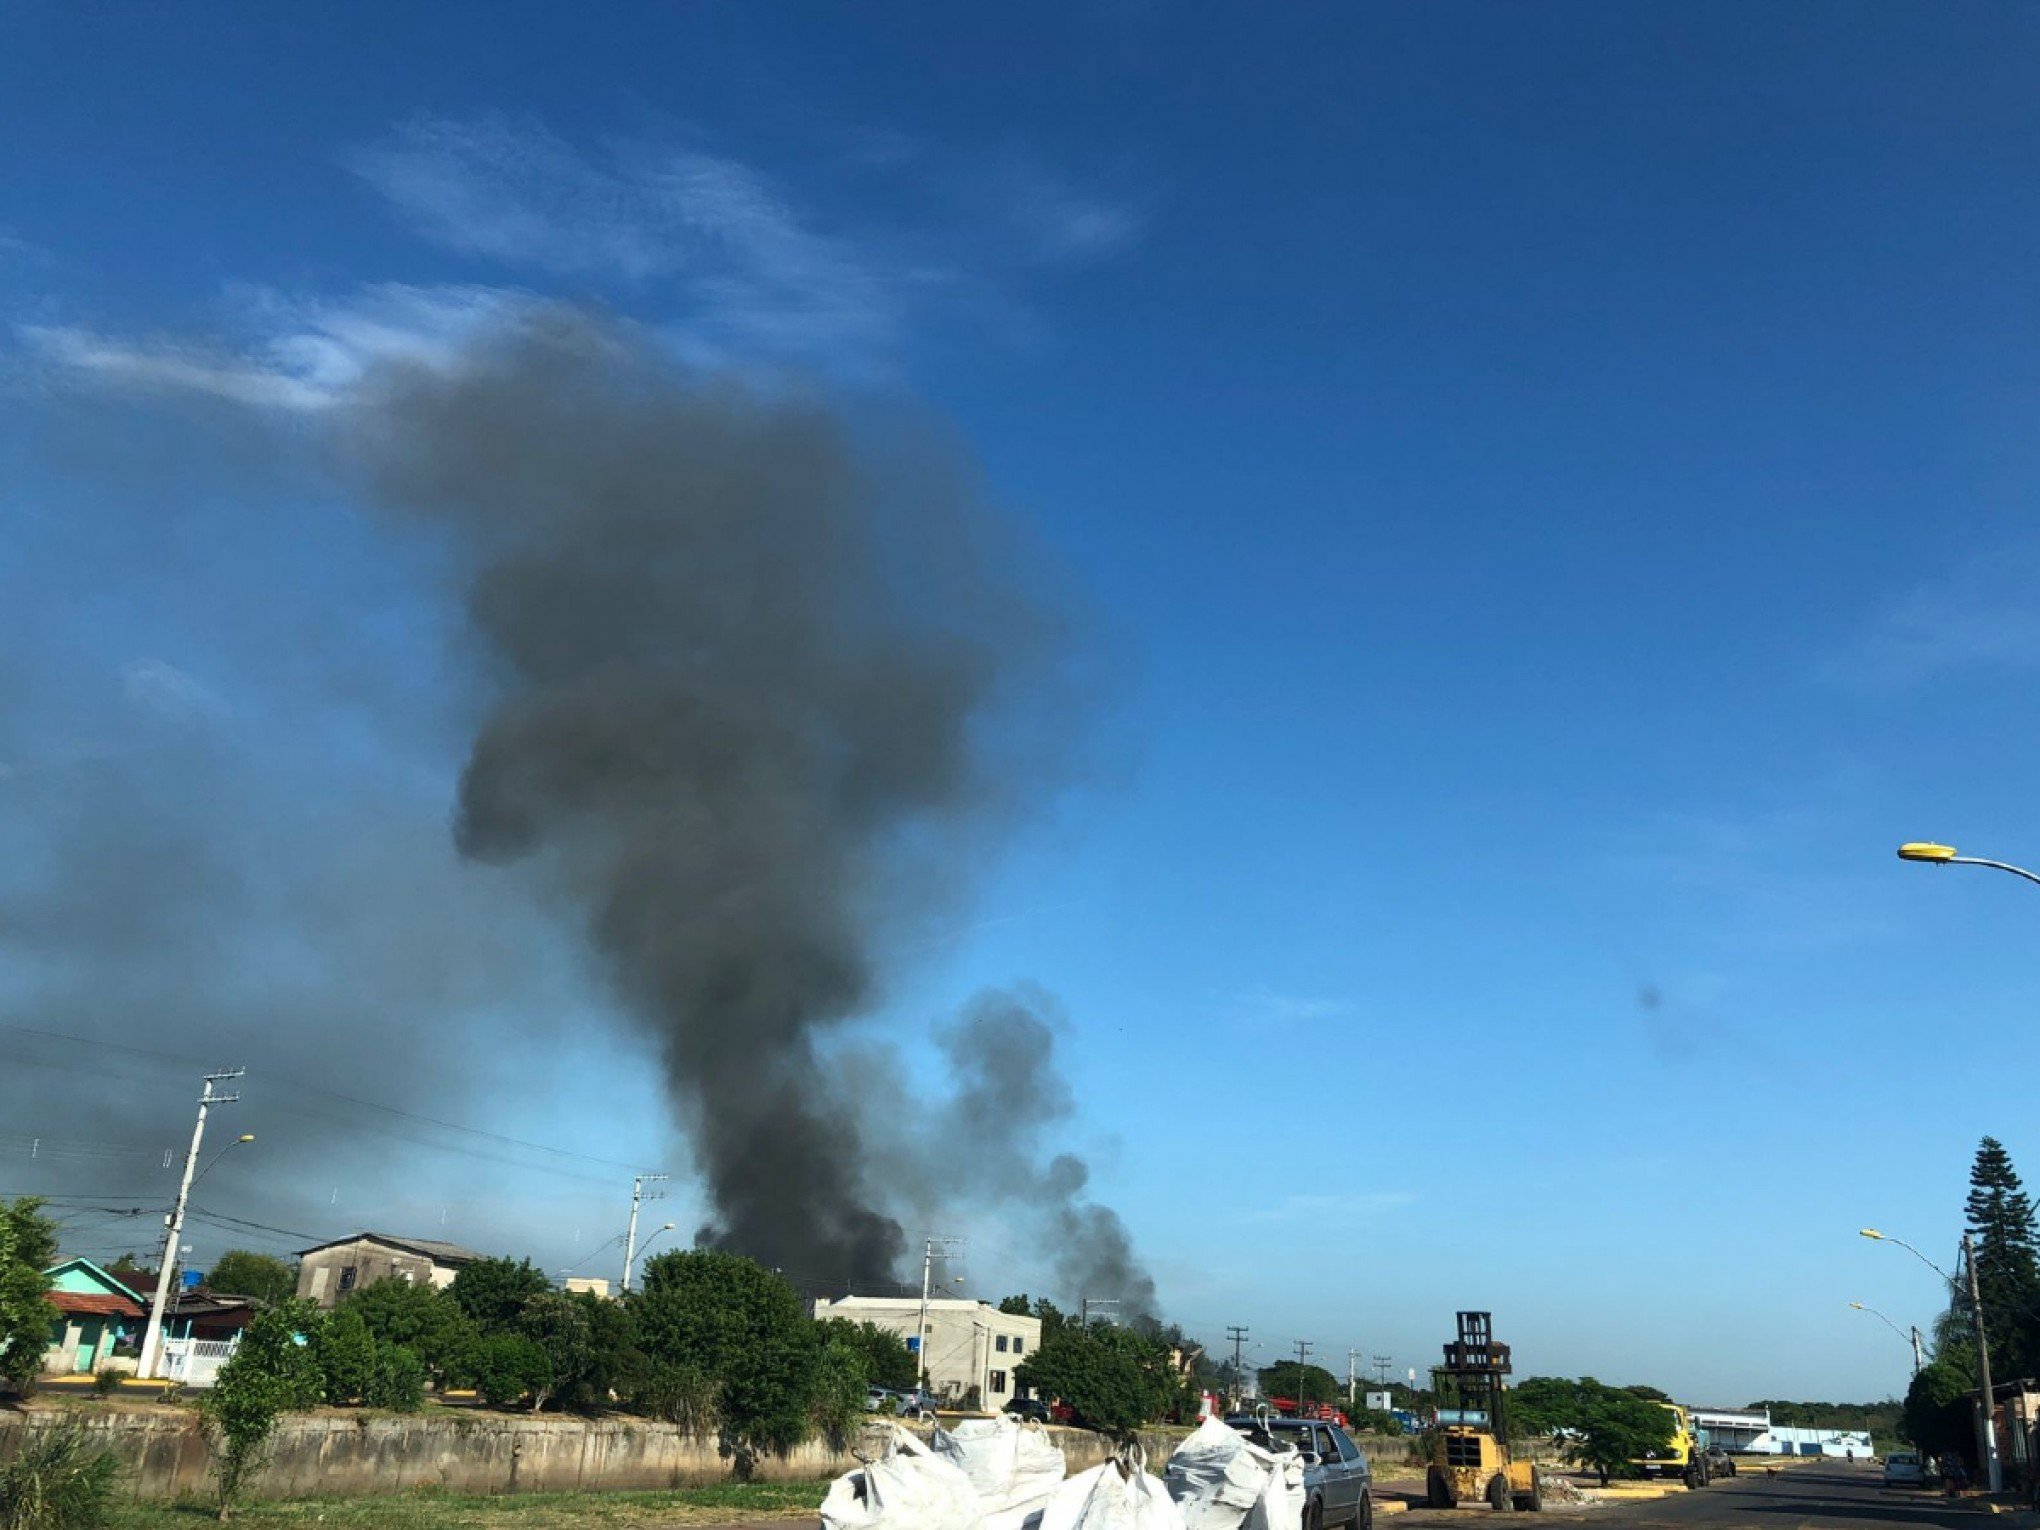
(95, 1313)
(1731, 1428)
(594, 1285)
(327, 1272)
(970, 1344)
(1751, 1432)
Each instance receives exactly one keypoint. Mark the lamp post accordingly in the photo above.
(1987, 1422)
(1928, 853)
(664, 1227)
(1912, 1338)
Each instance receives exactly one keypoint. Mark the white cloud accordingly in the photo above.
(1984, 612)
(751, 270)
(301, 355)
(1065, 225)
(1336, 1209)
(158, 686)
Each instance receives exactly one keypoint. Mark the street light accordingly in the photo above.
(664, 1227)
(1987, 1422)
(1912, 1338)
(245, 1137)
(1927, 851)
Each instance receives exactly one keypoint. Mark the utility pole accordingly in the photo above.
(927, 1276)
(1238, 1334)
(173, 1224)
(1381, 1364)
(1303, 1349)
(1918, 1363)
(1988, 1422)
(637, 1197)
(1352, 1396)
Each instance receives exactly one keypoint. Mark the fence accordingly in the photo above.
(195, 1362)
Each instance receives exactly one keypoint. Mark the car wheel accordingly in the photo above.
(1314, 1515)
(1364, 1519)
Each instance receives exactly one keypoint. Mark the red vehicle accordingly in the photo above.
(1324, 1413)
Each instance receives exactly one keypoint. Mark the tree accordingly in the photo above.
(1052, 1317)
(1543, 1405)
(270, 1374)
(1649, 1394)
(1112, 1379)
(344, 1350)
(563, 1327)
(399, 1380)
(492, 1292)
(842, 1377)
(28, 1246)
(1613, 1427)
(241, 1273)
(422, 1319)
(1999, 1216)
(887, 1359)
(1309, 1383)
(509, 1368)
(708, 1319)
(1938, 1415)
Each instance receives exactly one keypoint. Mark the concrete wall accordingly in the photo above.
(352, 1454)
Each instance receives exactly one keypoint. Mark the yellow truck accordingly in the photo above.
(1683, 1458)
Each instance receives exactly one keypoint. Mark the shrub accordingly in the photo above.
(272, 1372)
(57, 1482)
(107, 1380)
(399, 1380)
(346, 1355)
(842, 1377)
(508, 1368)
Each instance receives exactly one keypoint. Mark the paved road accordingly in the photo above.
(1836, 1497)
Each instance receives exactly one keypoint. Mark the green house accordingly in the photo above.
(94, 1313)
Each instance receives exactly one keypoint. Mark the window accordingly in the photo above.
(347, 1277)
(999, 1382)
(1002, 1344)
(1019, 1344)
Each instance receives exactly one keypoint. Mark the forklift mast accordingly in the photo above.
(1477, 1364)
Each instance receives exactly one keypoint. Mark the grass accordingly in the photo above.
(725, 1503)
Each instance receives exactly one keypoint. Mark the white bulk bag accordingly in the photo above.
(907, 1488)
(1014, 1467)
(1120, 1495)
(1221, 1480)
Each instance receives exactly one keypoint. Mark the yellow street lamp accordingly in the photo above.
(1932, 854)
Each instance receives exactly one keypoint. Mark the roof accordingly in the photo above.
(94, 1304)
(61, 1278)
(431, 1248)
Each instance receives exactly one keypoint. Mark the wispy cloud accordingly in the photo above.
(295, 354)
(753, 272)
(160, 687)
(1986, 611)
(1062, 222)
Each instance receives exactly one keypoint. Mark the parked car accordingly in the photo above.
(1338, 1484)
(1030, 1408)
(881, 1400)
(916, 1402)
(1902, 1468)
(1719, 1462)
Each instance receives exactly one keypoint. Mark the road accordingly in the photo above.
(1835, 1497)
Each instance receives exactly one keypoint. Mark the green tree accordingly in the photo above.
(344, 1350)
(1938, 1415)
(238, 1272)
(711, 1319)
(492, 1292)
(1052, 1317)
(271, 1373)
(1305, 1384)
(1999, 1216)
(1649, 1394)
(422, 1319)
(564, 1328)
(399, 1380)
(28, 1246)
(1543, 1405)
(842, 1377)
(1112, 1379)
(886, 1356)
(509, 1368)
(1613, 1427)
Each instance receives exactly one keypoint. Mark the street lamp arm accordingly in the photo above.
(1977, 860)
(1885, 1237)
(1902, 1334)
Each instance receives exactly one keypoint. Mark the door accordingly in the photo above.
(88, 1345)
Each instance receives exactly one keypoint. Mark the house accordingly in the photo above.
(973, 1347)
(96, 1315)
(327, 1272)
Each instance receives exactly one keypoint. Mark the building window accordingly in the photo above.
(999, 1382)
(1019, 1344)
(347, 1277)
(1002, 1344)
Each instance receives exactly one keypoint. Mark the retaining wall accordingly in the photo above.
(354, 1454)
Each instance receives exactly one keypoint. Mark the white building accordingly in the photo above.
(1750, 1430)
(970, 1344)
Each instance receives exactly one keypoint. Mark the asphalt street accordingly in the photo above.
(1836, 1497)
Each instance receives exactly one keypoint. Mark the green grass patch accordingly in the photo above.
(431, 1508)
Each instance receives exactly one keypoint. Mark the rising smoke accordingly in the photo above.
(762, 692)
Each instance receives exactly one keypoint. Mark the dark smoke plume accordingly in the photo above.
(761, 691)
(1009, 1098)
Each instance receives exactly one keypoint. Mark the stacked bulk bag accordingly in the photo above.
(1014, 1468)
(1221, 1480)
(907, 1488)
(1120, 1495)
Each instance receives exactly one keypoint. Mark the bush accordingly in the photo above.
(271, 1373)
(683, 1395)
(107, 1380)
(346, 1352)
(842, 1377)
(399, 1380)
(28, 1246)
(508, 1368)
(492, 1292)
(58, 1482)
(427, 1322)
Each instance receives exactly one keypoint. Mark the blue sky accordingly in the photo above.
(1553, 484)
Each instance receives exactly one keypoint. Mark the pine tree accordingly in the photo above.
(2001, 1223)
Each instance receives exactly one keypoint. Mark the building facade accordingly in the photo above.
(971, 1345)
(1750, 1431)
(328, 1272)
(95, 1314)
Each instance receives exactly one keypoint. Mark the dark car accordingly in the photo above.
(1030, 1408)
(1719, 1462)
(1338, 1485)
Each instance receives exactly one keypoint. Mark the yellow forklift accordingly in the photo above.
(1470, 1460)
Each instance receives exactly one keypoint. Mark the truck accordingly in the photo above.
(1683, 1458)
